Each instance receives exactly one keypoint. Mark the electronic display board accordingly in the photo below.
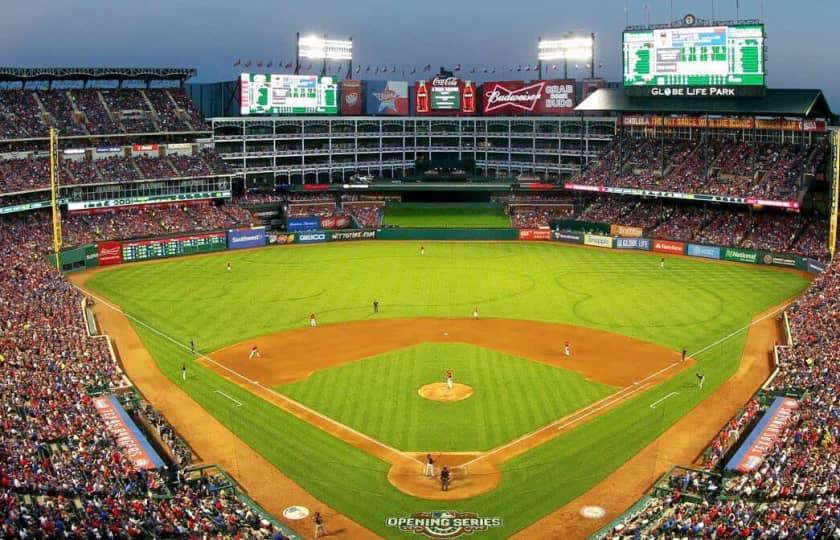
(263, 93)
(139, 250)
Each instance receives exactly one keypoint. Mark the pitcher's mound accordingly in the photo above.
(440, 392)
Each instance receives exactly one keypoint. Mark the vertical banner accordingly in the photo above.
(351, 97)
(835, 195)
(388, 98)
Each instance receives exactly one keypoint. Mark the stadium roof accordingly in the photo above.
(12, 74)
(777, 102)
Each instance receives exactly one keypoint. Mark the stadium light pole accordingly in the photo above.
(323, 48)
(570, 47)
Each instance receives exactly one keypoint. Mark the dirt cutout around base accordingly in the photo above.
(469, 478)
(442, 392)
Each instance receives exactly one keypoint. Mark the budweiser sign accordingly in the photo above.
(505, 96)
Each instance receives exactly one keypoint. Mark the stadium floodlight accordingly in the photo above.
(571, 47)
(322, 48)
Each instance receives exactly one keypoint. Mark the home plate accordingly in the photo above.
(446, 333)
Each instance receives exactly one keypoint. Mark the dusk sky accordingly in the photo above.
(210, 35)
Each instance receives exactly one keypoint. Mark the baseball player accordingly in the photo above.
(183, 371)
(661, 263)
(319, 525)
(567, 349)
(376, 306)
(684, 352)
(228, 267)
(444, 478)
(430, 467)
(313, 322)
(449, 379)
(192, 346)
(475, 312)
(700, 379)
(422, 250)
(255, 353)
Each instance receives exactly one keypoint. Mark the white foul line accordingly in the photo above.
(255, 383)
(658, 401)
(238, 404)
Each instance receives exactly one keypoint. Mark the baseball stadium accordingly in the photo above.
(321, 301)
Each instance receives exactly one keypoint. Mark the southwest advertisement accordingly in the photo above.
(246, 238)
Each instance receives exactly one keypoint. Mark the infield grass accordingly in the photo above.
(690, 304)
(511, 396)
(445, 215)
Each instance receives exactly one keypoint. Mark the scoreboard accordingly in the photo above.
(703, 56)
(263, 93)
(167, 247)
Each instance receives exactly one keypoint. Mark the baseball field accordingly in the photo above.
(338, 408)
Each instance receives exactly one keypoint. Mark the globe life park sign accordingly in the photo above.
(697, 91)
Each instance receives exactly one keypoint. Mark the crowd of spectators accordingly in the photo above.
(58, 105)
(794, 492)
(367, 214)
(538, 215)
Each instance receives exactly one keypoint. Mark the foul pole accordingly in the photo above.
(835, 195)
(54, 185)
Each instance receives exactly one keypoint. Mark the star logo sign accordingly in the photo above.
(387, 100)
(524, 98)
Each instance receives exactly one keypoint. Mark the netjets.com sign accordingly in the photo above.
(444, 523)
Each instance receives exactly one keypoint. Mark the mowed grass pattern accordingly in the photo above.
(512, 396)
(691, 304)
(445, 215)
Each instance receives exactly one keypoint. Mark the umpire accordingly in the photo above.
(444, 478)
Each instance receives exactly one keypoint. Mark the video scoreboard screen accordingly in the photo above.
(263, 93)
(167, 247)
(703, 56)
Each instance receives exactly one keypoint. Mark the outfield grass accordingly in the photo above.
(471, 215)
(512, 396)
(690, 304)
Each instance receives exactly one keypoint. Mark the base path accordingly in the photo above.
(441, 392)
(679, 445)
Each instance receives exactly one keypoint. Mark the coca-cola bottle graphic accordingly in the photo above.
(468, 101)
(422, 98)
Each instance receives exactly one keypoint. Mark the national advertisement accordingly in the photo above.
(311, 237)
(570, 237)
(535, 234)
(741, 255)
(669, 246)
(699, 250)
(109, 253)
(308, 223)
(128, 437)
(246, 237)
(351, 97)
(762, 439)
(340, 236)
(598, 240)
(644, 244)
(625, 231)
(386, 98)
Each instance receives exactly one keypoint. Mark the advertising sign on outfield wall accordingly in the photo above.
(668, 246)
(708, 252)
(626, 232)
(779, 260)
(568, 236)
(535, 234)
(311, 237)
(308, 223)
(741, 255)
(340, 236)
(109, 253)
(335, 222)
(633, 243)
(598, 240)
(246, 238)
(281, 239)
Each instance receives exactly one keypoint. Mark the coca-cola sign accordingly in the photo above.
(445, 81)
(445, 96)
(511, 97)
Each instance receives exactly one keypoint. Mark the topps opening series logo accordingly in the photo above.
(444, 524)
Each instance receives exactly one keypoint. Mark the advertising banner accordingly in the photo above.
(246, 238)
(387, 98)
(340, 236)
(281, 239)
(568, 236)
(558, 98)
(741, 255)
(644, 244)
(627, 232)
(668, 246)
(311, 238)
(108, 149)
(510, 98)
(707, 252)
(815, 267)
(308, 223)
(144, 147)
(535, 234)
(590, 86)
(762, 439)
(598, 240)
(445, 96)
(73, 151)
(335, 222)
(126, 434)
(779, 260)
(109, 253)
(351, 97)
